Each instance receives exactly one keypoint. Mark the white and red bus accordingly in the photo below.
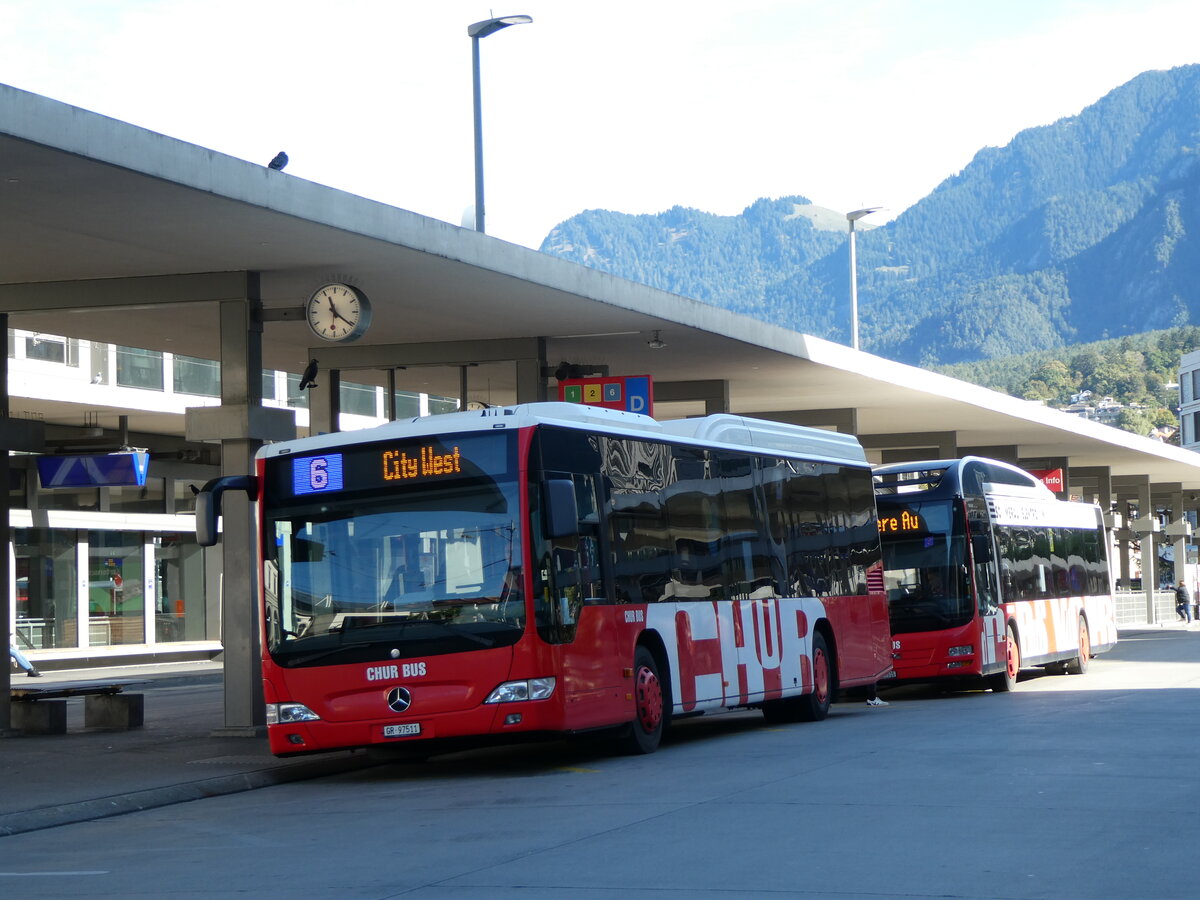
(556, 569)
(986, 571)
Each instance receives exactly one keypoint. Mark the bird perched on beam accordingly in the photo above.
(280, 160)
(309, 378)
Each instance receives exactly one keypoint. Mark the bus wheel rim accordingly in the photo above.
(649, 699)
(820, 676)
(1013, 666)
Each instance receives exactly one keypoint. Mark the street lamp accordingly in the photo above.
(853, 217)
(475, 32)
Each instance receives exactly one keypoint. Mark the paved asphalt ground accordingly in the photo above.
(50, 780)
(86, 774)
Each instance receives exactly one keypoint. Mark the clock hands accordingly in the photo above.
(334, 311)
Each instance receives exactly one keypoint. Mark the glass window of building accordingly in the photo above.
(1185, 388)
(438, 405)
(359, 399)
(179, 588)
(71, 499)
(51, 348)
(268, 385)
(140, 368)
(116, 595)
(149, 498)
(201, 377)
(408, 405)
(1194, 377)
(296, 398)
(47, 609)
(99, 363)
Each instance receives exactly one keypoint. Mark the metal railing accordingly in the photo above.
(1131, 608)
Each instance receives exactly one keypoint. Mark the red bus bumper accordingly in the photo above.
(925, 656)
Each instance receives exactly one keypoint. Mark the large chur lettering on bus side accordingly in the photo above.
(764, 654)
(705, 652)
(733, 654)
(806, 673)
(1036, 624)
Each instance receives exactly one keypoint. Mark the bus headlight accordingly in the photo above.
(285, 713)
(514, 691)
(964, 650)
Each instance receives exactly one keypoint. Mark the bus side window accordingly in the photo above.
(985, 586)
(569, 573)
(985, 567)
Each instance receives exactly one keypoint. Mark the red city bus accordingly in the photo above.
(986, 571)
(554, 569)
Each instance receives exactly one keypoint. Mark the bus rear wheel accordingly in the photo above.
(1006, 679)
(1079, 665)
(811, 707)
(815, 706)
(646, 730)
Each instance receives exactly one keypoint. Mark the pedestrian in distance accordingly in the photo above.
(1183, 602)
(21, 661)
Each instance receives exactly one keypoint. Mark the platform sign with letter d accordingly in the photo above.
(631, 393)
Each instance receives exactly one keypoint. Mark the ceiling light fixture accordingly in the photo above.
(656, 342)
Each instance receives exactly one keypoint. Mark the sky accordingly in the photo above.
(628, 105)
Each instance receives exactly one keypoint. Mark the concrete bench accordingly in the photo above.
(106, 706)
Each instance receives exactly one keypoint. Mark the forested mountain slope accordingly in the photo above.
(1084, 229)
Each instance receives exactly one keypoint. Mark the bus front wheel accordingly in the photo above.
(1079, 665)
(645, 731)
(1006, 679)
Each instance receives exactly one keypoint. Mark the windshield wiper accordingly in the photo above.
(457, 632)
(321, 654)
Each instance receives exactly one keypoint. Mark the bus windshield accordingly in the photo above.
(924, 561)
(428, 570)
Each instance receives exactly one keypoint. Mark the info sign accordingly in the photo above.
(631, 393)
(1051, 478)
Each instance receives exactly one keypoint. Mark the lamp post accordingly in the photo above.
(853, 217)
(475, 32)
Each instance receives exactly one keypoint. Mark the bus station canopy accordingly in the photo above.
(115, 234)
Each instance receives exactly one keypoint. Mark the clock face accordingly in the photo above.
(338, 312)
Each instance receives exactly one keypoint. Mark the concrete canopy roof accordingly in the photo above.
(86, 197)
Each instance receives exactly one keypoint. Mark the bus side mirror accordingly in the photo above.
(208, 504)
(562, 519)
(206, 519)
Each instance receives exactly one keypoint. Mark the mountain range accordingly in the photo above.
(1081, 230)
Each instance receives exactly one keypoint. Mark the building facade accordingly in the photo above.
(1189, 401)
(109, 572)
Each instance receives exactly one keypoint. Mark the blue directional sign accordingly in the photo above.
(102, 470)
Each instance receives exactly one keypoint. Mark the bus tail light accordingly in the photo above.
(514, 691)
(285, 713)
